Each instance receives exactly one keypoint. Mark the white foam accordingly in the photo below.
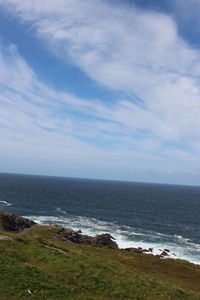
(179, 237)
(58, 209)
(5, 203)
(128, 237)
(175, 251)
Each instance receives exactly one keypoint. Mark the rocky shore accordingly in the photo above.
(18, 224)
(14, 223)
(52, 262)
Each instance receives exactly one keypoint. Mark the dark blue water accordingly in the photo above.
(135, 213)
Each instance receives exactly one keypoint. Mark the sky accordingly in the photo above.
(104, 89)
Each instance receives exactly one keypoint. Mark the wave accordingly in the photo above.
(58, 209)
(126, 236)
(5, 203)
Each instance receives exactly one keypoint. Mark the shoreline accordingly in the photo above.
(51, 262)
(175, 250)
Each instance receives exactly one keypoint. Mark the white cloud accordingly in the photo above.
(126, 50)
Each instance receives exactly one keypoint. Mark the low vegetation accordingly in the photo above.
(36, 265)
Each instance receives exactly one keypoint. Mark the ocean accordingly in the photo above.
(143, 215)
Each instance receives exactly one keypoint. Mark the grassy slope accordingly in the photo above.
(59, 270)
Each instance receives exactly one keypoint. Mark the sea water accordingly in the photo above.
(143, 215)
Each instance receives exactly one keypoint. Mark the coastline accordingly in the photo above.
(127, 237)
(51, 262)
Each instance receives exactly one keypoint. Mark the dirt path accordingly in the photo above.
(56, 249)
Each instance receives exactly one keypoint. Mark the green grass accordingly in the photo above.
(57, 270)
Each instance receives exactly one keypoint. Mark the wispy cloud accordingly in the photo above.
(130, 52)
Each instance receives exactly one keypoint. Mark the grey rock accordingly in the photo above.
(69, 235)
(164, 253)
(5, 238)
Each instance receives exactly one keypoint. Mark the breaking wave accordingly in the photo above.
(126, 236)
(4, 203)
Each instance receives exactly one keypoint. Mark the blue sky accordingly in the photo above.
(101, 89)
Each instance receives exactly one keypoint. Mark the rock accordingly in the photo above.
(145, 250)
(132, 249)
(5, 238)
(69, 235)
(14, 223)
(164, 253)
(167, 250)
(104, 240)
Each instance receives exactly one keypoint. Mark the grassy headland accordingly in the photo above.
(35, 264)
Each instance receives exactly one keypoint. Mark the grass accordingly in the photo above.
(57, 270)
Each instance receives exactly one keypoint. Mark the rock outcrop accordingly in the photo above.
(138, 250)
(14, 223)
(164, 253)
(77, 237)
